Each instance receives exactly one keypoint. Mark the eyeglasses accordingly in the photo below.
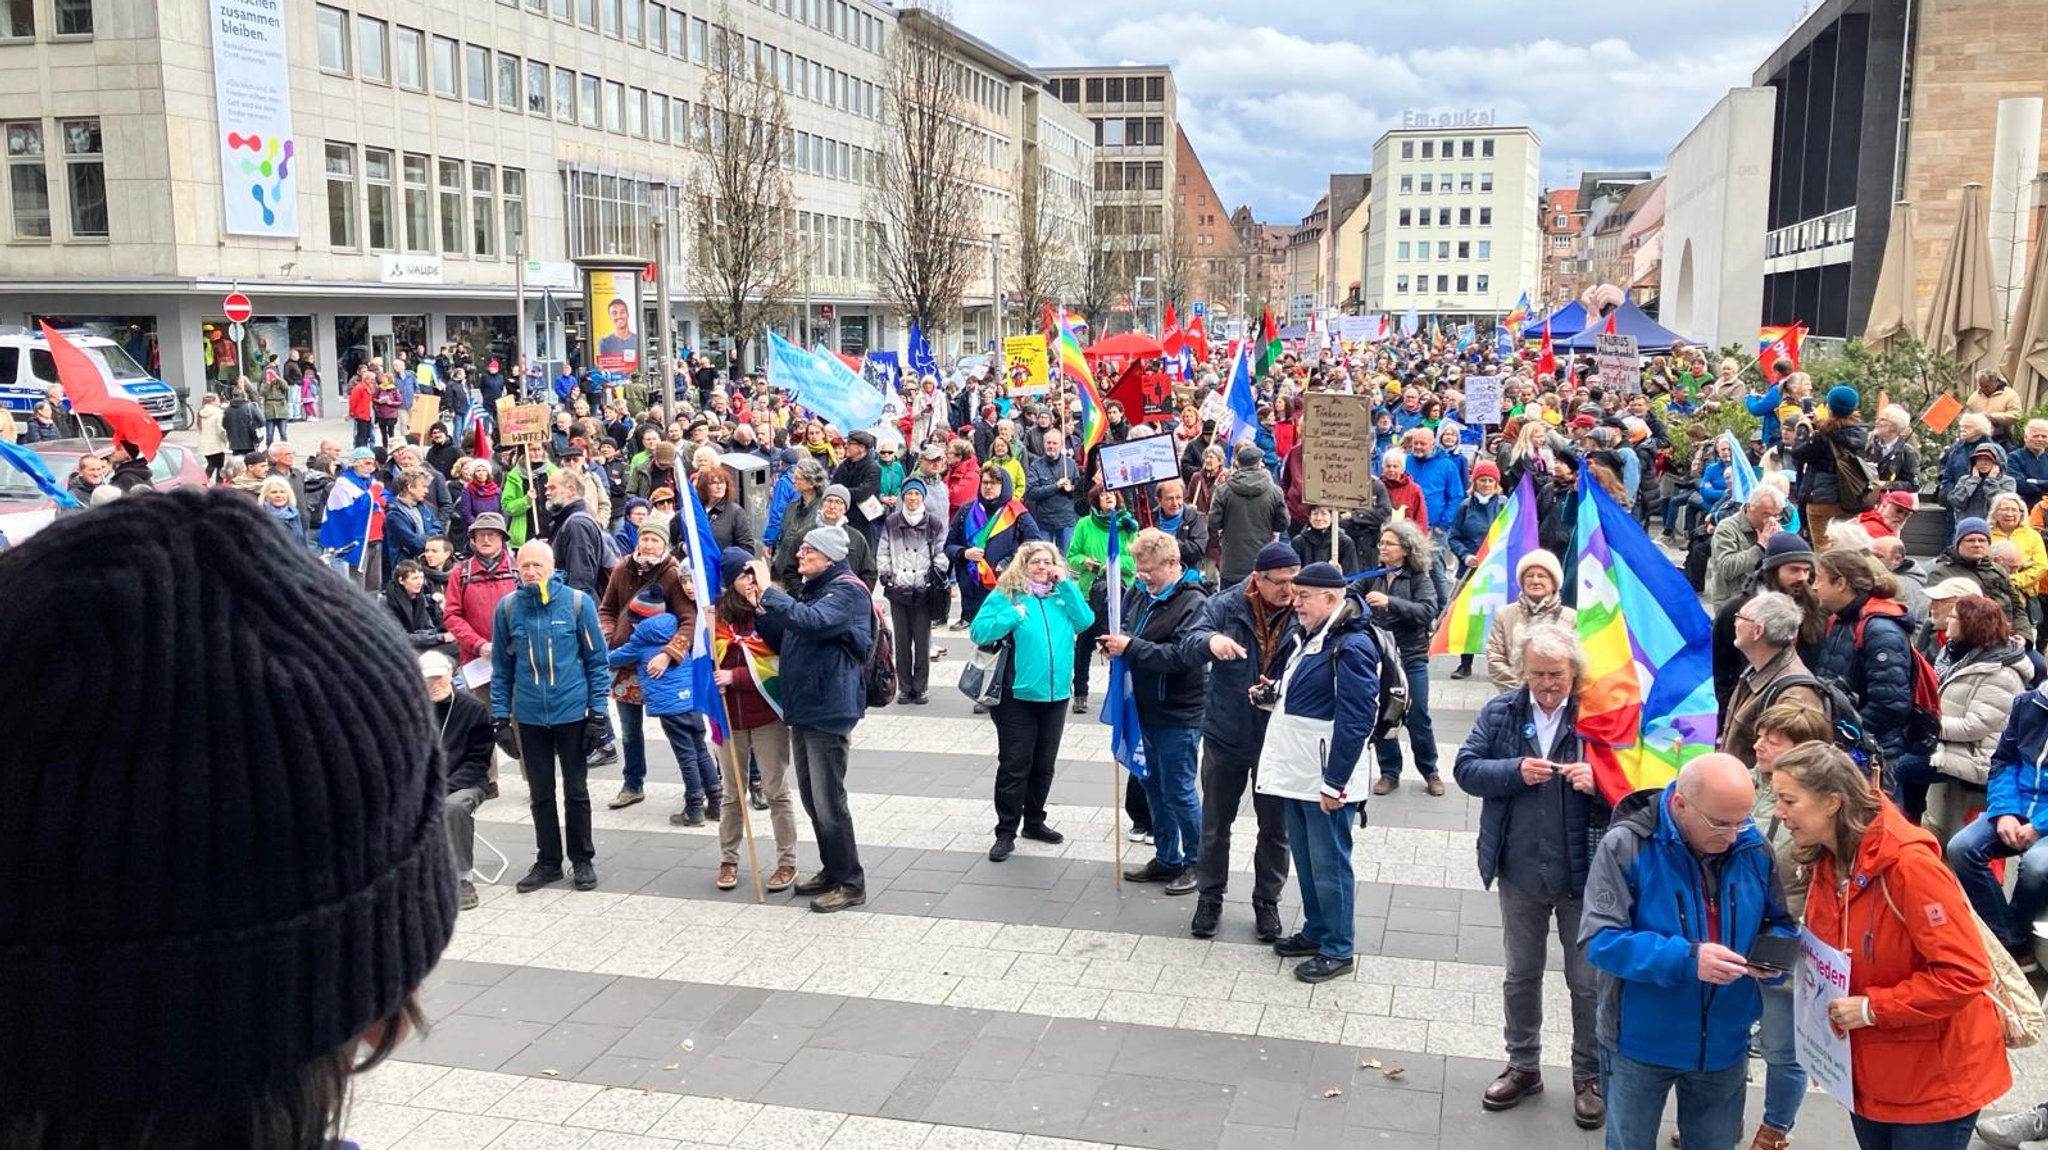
(1714, 824)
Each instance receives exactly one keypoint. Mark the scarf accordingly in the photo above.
(1268, 624)
(981, 527)
(764, 667)
(1171, 525)
(914, 518)
(488, 489)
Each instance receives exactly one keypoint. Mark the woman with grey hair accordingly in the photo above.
(809, 478)
(1405, 599)
(1767, 636)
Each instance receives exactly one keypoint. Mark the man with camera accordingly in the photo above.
(1523, 759)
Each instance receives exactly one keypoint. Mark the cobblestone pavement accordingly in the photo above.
(1026, 1005)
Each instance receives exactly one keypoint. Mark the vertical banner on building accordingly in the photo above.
(612, 306)
(259, 170)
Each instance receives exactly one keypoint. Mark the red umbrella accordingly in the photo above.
(1129, 344)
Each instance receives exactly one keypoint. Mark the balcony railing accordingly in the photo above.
(1836, 227)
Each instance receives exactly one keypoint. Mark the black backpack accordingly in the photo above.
(878, 669)
(1843, 717)
(1393, 681)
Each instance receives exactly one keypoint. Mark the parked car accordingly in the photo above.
(25, 510)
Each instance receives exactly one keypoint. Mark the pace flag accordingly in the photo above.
(922, 362)
(1490, 585)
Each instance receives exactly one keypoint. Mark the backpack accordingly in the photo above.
(1923, 727)
(2019, 1008)
(1856, 481)
(1699, 548)
(1393, 681)
(1843, 717)
(607, 547)
(878, 669)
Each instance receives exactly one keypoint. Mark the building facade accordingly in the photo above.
(1206, 240)
(1308, 256)
(1264, 248)
(1454, 221)
(1133, 129)
(1344, 257)
(1566, 272)
(1717, 183)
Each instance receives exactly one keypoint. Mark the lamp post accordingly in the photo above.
(995, 282)
(661, 306)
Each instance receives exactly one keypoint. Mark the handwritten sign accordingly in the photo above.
(1482, 400)
(523, 425)
(1619, 364)
(1822, 977)
(426, 412)
(1336, 449)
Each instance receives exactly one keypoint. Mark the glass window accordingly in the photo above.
(1113, 133)
(1448, 145)
(1486, 181)
(1429, 149)
(1443, 250)
(1481, 282)
(1115, 89)
(476, 59)
(657, 116)
(1485, 217)
(1401, 285)
(657, 27)
(412, 58)
(333, 38)
(1422, 218)
(85, 176)
(449, 174)
(636, 112)
(447, 54)
(609, 10)
(1464, 284)
(483, 215)
(699, 32)
(1443, 217)
(512, 193)
(559, 9)
(1401, 251)
(377, 181)
(1406, 214)
(1407, 149)
(537, 87)
(1465, 149)
(1443, 284)
(614, 106)
(1465, 183)
(586, 14)
(28, 181)
(370, 50)
(419, 207)
(565, 95)
(18, 22)
(508, 82)
(1407, 184)
(678, 28)
(341, 195)
(636, 30)
(1486, 148)
(679, 127)
(589, 112)
(1428, 184)
(1485, 251)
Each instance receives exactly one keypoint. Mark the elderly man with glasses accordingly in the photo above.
(1767, 636)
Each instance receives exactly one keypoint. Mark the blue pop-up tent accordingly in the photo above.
(1652, 338)
(1565, 322)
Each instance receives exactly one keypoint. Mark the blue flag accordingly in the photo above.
(1242, 400)
(922, 361)
(1120, 705)
(1412, 322)
(30, 464)
(839, 397)
(706, 571)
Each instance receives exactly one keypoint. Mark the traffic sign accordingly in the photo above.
(235, 332)
(237, 307)
(1198, 309)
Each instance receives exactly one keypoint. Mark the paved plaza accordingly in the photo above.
(1026, 1005)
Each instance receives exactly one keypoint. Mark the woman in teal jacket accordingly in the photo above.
(1038, 609)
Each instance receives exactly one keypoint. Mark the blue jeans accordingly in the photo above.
(1950, 1135)
(702, 784)
(1170, 753)
(1421, 732)
(1709, 1102)
(632, 744)
(1060, 536)
(1321, 842)
(1784, 1078)
(1969, 855)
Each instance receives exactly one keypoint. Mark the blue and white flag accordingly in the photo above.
(706, 574)
(30, 464)
(351, 509)
(1242, 400)
(826, 386)
(1120, 705)
(1412, 322)
(922, 361)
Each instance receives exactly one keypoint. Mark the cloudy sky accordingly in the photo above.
(1276, 94)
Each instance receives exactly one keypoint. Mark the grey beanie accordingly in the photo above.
(839, 491)
(829, 541)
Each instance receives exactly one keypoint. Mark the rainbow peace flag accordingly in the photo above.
(1073, 366)
(1646, 706)
(980, 527)
(764, 666)
(1490, 585)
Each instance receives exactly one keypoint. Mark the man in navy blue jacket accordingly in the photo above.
(1523, 759)
(1680, 887)
(823, 631)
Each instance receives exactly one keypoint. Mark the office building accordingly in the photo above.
(1454, 221)
(1134, 131)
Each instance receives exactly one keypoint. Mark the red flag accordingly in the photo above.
(1170, 336)
(87, 391)
(1785, 347)
(1050, 323)
(1546, 360)
(1609, 329)
(1198, 339)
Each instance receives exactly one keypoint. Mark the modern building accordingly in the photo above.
(1566, 271)
(1134, 131)
(1206, 239)
(375, 177)
(1454, 221)
(1716, 191)
(1881, 101)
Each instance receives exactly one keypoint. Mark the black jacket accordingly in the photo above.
(731, 527)
(1169, 670)
(243, 422)
(1229, 722)
(1313, 546)
(579, 548)
(862, 479)
(418, 616)
(1411, 610)
(131, 474)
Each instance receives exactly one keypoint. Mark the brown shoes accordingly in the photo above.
(1507, 1091)
(1589, 1110)
(728, 875)
(1384, 785)
(783, 878)
(1769, 1139)
(1434, 784)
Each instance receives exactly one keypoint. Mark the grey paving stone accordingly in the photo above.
(895, 900)
(1238, 1136)
(794, 1007)
(715, 1077)
(537, 994)
(1403, 1110)
(628, 881)
(1157, 1052)
(659, 1040)
(990, 903)
(1170, 1113)
(1049, 1104)
(626, 1002)
(840, 1080)
(994, 1058)
(925, 881)
(1425, 920)
(1019, 870)
(565, 1048)
(768, 1041)
(696, 1002)
(1404, 944)
(906, 1029)
(1271, 1104)
(474, 1041)
(441, 999)
(612, 1070)
(1076, 1046)
(469, 973)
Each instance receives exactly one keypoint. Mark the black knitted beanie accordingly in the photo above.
(220, 810)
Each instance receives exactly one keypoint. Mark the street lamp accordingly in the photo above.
(995, 282)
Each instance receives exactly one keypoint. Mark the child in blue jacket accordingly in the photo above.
(670, 698)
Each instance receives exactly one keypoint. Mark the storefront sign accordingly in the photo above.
(1335, 471)
(550, 274)
(259, 170)
(412, 269)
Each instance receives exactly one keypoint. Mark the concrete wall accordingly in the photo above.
(1716, 197)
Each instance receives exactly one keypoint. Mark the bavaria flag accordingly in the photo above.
(705, 575)
(1120, 706)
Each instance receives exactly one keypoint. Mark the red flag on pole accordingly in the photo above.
(1609, 329)
(1546, 360)
(87, 391)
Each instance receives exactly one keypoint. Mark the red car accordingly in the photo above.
(25, 510)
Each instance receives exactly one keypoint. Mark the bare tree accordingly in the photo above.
(1098, 272)
(1176, 263)
(1047, 245)
(746, 260)
(927, 203)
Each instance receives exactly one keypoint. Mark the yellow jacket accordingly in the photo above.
(2027, 580)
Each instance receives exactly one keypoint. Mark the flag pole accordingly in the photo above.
(736, 792)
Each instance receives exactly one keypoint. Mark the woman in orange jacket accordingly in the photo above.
(1925, 1040)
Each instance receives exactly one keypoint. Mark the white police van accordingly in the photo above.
(27, 371)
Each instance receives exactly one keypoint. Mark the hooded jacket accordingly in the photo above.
(469, 608)
(1042, 630)
(911, 558)
(672, 692)
(824, 633)
(1230, 726)
(1644, 919)
(1169, 673)
(1469, 525)
(1091, 541)
(1991, 578)
(1936, 1051)
(547, 655)
(1328, 701)
(1441, 476)
(1000, 546)
(1977, 696)
(1053, 508)
(1247, 514)
(2018, 784)
(1411, 609)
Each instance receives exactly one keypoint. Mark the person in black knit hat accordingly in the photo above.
(237, 873)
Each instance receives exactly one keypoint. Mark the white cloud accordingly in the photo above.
(1275, 98)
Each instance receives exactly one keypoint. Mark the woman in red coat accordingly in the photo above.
(1925, 1041)
(361, 410)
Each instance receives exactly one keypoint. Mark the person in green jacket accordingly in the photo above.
(1087, 554)
(1038, 608)
(516, 497)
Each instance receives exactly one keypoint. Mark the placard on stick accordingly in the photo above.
(1619, 365)
(1482, 400)
(1336, 449)
(523, 425)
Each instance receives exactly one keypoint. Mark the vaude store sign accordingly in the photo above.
(412, 269)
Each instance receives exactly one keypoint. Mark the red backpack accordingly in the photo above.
(1923, 728)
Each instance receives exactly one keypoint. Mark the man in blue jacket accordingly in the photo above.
(548, 677)
(1442, 481)
(1052, 482)
(1240, 632)
(823, 632)
(2015, 822)
(1681, 886)
(1523, 760)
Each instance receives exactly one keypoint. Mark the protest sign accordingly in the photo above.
(523, 425)
(426, 412)
(1619, 365)
(1025, 366)
(1482, 400)
(1822, 977)
(1336, 455)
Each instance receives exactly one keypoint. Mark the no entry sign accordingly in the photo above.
(237, 307)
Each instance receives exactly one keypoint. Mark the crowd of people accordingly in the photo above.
(1883, 721)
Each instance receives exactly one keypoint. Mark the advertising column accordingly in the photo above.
(253, 118)
(614, 307)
